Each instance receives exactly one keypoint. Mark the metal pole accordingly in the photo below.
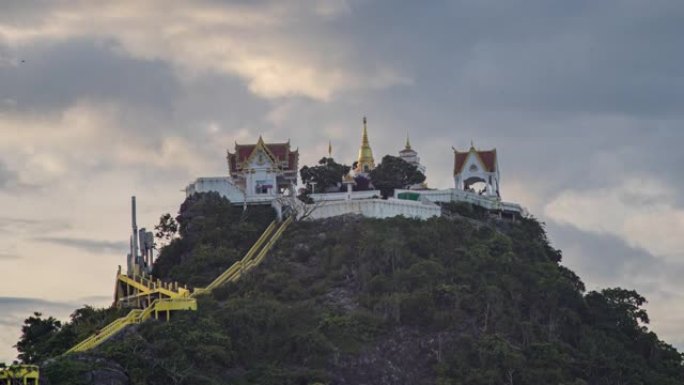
(134, 246)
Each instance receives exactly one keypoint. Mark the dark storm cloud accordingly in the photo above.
(20, 302)
(600, 257)
(89, 245)
(8, 256)
(94, 299)
(10, 182)
(544, 57)
(55, 76)
(603, 260)
(6, 222)
(14, 308)
(7, 176)
(30, 226)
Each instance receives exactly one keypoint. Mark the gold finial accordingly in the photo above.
(365, 160)
(329, 149)
(408, 143)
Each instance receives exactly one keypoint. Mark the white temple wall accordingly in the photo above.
(374, 208)
(260, 172)
(261, 177)
(222, 185)
(456, 195)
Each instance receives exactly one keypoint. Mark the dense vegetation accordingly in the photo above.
(327, 176)
(45, 337)
(394, 173)
(212, 235)
(460, 299)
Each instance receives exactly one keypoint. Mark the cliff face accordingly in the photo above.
(357, 301)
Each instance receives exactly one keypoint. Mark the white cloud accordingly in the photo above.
(45, 149)
(640, 211)
(268, 45)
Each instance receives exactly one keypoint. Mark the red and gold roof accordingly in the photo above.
(487, 159)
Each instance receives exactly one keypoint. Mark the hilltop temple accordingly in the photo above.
(258, 173)
(475, 166)
(266, 173)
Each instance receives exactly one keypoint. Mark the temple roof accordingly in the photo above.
(278, 152)
(487, 159)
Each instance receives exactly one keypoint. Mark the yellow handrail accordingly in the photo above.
(179, 300)
(237, 266)
(133, 317)
(15, 374)
(260, 241)
(149, 288)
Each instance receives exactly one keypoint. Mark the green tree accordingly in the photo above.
(212, 234)
(35, 334)
(617, 307)
(327, 175)
(393, 173)
(167, 228)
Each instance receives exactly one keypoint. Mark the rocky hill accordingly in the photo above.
(461, 299)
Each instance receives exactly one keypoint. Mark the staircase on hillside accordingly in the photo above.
(155, 299)
(19, 374)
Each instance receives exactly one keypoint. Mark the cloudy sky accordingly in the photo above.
(102, 100)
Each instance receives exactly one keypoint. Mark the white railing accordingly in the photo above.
(455, 195)
(373, 208)
(342, 195)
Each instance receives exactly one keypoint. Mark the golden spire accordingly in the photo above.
(408, 143)
(329, 149)
(365, 161)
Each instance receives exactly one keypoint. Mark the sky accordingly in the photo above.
(103, 100)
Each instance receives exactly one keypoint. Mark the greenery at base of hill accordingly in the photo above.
(348, 300)
(46, 337)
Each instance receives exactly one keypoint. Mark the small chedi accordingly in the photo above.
(266, 173)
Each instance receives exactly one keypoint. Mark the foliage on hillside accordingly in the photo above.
(327, 175)
(213, 234)
(348, 300)
(45, 337)
(394, 173)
